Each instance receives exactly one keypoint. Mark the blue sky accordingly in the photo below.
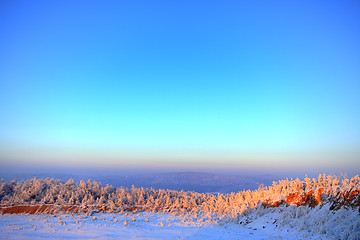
(181, 84)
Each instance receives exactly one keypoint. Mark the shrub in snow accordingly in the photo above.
(322, 230)
(301, 211)
(346, 235)
(260, 212)
(302, 225)
(354, 236)
(330, 235)
(287, 215)
(61, 223)
(356, 226)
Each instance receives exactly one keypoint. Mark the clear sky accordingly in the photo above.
(181, 84)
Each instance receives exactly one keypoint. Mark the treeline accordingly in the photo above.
(338, 192)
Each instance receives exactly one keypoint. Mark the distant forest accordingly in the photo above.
(338, 192)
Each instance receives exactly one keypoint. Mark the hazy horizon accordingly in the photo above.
(198, 180)
(12, 171)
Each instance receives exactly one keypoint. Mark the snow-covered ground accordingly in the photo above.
(306, 223)
(274, 223)
(111, 226)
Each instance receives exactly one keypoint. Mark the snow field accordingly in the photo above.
(272, 223)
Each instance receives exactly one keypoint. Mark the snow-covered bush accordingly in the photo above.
(301, 211)
(321, 194)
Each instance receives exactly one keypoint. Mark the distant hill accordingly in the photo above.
(191, 181)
